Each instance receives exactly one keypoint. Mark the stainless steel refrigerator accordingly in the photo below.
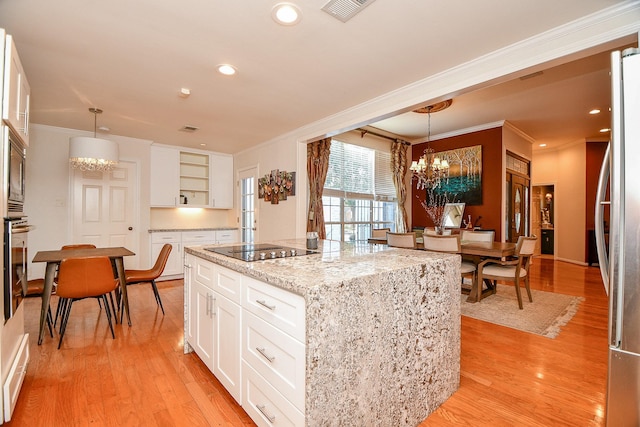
(620, 259)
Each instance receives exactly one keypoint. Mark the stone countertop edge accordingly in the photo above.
(164, 230)
(335, 263)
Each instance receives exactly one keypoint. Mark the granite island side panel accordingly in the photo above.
(382, 328)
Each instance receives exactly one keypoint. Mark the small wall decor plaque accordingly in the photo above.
(277, 186)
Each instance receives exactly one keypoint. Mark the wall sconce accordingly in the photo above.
(277, 186)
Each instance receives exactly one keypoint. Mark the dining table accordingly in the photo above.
(53, 259)
(478, 251)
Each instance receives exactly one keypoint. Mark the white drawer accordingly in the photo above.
(226, 236)
(278, 357)
(199, 237)
(203, 272)
(265, 406)
(15, 378)
(228, 283)
(283, 309)
(166, 237)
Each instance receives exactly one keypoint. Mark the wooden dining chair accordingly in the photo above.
(149, 276)
(87, 277)
(451, 244)
(402, 240)
(379, 233)
(514, 270)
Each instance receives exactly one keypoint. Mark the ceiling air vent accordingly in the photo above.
(188, 128)
(345, 9)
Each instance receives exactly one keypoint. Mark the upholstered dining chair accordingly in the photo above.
(379, 233)
(451, 244)
(513, 270)
(80, 278)
(61, 301)
(477, 236)
(402, 240)
(149, 276)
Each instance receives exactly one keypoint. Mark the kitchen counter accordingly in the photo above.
(164, 230)
(382, 328)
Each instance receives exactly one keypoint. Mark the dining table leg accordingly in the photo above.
(123, 287)
(46, 296)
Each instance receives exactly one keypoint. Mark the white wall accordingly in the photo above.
(274, 221)
(48, 190)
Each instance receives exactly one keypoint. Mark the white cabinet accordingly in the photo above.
(190, 178)
(273, 353)
(221, 181)
(182, 239)
(214, 320)
(164, 176)
(174, 263)
(15, 100)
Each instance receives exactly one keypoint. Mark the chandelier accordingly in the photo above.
(93, 154)
(430, 169)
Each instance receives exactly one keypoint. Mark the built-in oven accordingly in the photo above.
(15, 263)
(14, 178)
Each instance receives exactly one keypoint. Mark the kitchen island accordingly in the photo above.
(376, 331)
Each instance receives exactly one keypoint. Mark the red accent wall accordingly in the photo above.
(491, 141)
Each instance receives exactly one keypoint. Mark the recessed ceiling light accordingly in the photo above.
(226, 69)
(286, 14)
(605, 130)
(543, 145)
(594, 111)
(184, 92)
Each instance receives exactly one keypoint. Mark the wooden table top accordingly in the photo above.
(493, 249)
(59, 255)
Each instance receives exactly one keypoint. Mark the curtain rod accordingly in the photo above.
(363, 132)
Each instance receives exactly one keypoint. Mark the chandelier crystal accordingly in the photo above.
(429, 170)
(93, 154)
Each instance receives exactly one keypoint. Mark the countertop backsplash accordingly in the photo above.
(180, 219)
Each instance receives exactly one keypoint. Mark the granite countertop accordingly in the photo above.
(160, 230)
(335, 263)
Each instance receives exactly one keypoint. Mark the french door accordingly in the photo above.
(248, 213)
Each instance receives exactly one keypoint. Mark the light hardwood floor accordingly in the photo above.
(142, 378)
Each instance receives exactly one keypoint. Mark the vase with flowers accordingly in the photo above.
(434, 206)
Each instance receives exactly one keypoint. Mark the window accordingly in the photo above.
(359, 194)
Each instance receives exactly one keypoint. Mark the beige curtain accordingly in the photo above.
(317, 167)
(399, 170)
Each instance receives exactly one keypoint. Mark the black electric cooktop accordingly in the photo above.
(259, 251)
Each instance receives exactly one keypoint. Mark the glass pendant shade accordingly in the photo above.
(92, 154)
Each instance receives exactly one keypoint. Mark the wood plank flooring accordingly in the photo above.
(142, 378)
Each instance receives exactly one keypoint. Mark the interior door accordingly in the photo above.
(248, 213)
(104, 206)
(518, 206)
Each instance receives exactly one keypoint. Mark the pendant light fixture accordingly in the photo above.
(93, 154)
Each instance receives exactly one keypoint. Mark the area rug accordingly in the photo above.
(544, 316)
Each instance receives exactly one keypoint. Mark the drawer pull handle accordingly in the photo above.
(264, 304)
(264, 354)
(263, 410)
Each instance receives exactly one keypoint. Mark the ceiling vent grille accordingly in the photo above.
(188, 128)
(344, 10)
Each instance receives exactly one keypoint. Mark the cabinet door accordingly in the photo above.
(15, 102)
(190, 300)
(174, 263)
(221, 181)
(226, 361)
(165, 179)
(204, 323)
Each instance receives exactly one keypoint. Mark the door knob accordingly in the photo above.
(130, 228)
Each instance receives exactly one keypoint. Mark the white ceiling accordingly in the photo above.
(131, 58)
